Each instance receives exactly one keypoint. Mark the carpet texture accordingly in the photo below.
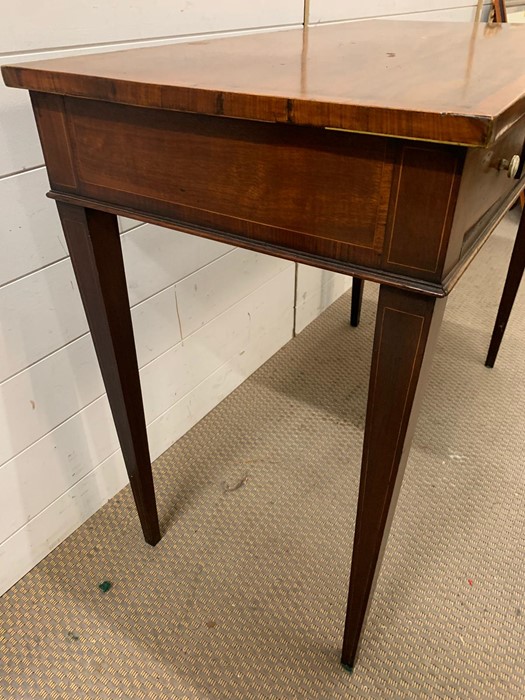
(244, 596)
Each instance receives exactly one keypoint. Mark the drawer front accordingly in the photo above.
(317, 191)
(485, 182)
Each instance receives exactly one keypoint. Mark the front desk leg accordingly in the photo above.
(94, 245)
(406, 330)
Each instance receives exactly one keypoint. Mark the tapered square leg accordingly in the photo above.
(406, 329)
(512, 283)
(94, 245)
(357, 301)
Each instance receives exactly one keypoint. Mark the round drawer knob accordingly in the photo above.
(511, 166)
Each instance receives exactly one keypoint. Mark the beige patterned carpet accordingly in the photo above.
(244, 597)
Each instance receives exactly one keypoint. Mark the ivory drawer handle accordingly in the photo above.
(511, 166)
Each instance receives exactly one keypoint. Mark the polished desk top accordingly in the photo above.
(436, 81)
(355, 196)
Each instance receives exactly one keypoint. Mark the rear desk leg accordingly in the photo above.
(512, 283)
(357, 301)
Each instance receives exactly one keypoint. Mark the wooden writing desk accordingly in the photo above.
(384, 150)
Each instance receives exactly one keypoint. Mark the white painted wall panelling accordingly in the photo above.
(220, 284)
(176, 372)
(30, 232)
(41, 312)
(37, 399)
(52, 465)
(270, 329)
(316, 290)
(456, 14)
(53, 482)
(61, 23)
(31, 543)
(155, 257)
(340, 10)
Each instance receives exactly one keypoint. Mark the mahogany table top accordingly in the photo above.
(440, 81)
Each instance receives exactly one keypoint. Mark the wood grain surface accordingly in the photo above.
(247, 177)
(440, 81)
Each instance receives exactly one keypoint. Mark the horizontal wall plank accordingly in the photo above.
(180, 417)
(42, 312)
(458, 14)
(62, 23)
(29, 545)
(45, 471)
(310, 279)
(316, 291)
(38, 314)
(179, 370)
(19, 145)
(51, 466)
(214, 288)
(125, 224)
(155, 325)
(337, 10)
(156, 257)
(36, 400)
(30, 235)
